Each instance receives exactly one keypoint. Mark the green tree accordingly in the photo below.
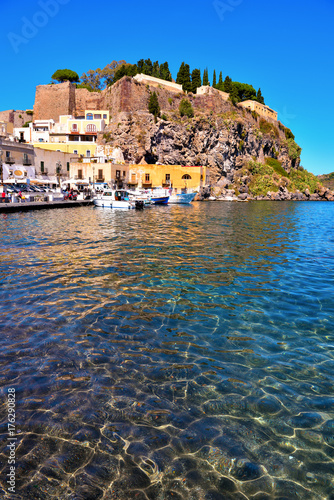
(259, 97)
(153, 105)
(65, 75)
(227, 85)
(214, 79)
(220, 84)
(156, 70)
(108, 72)
(186, 85)
(244, 91)
(180, 75)
(196, 80)
(205, 77)
(186, 108)
(91, 80)
(125, 70)
(165, 74)
(148, 67)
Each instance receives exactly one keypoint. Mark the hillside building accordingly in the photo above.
(261, 109)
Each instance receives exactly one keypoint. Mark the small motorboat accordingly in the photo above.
(114, 198)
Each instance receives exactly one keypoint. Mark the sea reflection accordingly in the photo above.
(173, 353)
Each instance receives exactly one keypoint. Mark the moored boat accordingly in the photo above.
(114, 198)
(183, 198)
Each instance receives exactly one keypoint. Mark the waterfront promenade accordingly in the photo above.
(40, 205)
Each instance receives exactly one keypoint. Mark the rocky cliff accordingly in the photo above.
(224, 137)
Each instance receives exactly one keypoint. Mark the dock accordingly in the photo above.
(25, 206)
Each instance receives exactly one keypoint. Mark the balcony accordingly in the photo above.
(10, 160)
(27, 161)
(99, 179)
(44, 172)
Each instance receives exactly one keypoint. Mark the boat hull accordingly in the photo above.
(125, 205)
(182, 198)
(160, 200)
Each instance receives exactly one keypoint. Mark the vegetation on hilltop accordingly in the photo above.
(63, 75)
(327, 180)
(96, 80)
(271, 176)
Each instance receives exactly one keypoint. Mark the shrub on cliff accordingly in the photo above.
(65, 75)
(186, 108)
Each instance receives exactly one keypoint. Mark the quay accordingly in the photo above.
(24, 206)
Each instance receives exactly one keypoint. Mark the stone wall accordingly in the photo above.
(17, 117)
(51, 101)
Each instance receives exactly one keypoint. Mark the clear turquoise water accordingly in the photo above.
(175, 353)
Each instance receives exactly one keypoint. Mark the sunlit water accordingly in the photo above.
(175, 353)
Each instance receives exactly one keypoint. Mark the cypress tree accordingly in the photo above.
(220, 85)
(205, 77)
(156, 69)
(228, 85)
(214, 80)
(186, 85)
(153, 105)
(259, 97)
(165, 74)
(195, 80)
(180, 75)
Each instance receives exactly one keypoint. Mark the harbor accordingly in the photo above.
(26, 206)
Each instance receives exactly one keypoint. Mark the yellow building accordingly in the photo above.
(261, 109)
(75, 135)
(178, 177)
(110, 173)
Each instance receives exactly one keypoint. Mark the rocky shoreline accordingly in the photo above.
(321, 194)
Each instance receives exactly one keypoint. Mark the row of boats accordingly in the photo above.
(122, 198)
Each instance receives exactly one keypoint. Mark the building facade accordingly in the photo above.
(17, 161)
(261, 109)
(177, 177)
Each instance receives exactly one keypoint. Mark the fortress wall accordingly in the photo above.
(51, 101)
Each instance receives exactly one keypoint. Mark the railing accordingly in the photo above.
(99, 179)
(9, 159)
(44, 172)
(27, 161)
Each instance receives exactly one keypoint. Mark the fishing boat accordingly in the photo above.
(114, 198)
(159, 196)
(184, 198)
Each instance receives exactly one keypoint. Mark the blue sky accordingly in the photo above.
(284, 47)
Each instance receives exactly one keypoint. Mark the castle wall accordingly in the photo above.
(51, 101)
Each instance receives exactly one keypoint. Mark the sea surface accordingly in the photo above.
(180, 352)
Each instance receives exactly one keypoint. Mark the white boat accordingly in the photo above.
(184, 198)
(114, 198)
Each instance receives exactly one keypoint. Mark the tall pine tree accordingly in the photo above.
(228, 85)
(214, 80)
(186, 85)
(180, 75)
(205, 77)
(220, 85)
(195, 80)
(153, 105)
(259, 97)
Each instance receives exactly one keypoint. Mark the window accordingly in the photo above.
(91, 128)
(89, 116)
(97, 117)
(147, 177)
(88, 153)
(79, 174)
(7, 154)
(167, 177)
(42, 167)
(100, 173)
(118, 174)
(68, 166)
(75, 151)
(186, 176)
(123, 173)
(105, 117)
(74, 127)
